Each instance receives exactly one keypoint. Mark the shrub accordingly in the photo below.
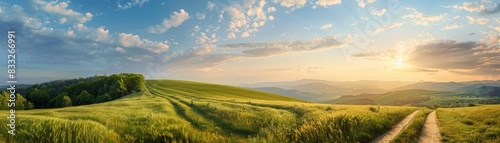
(435, 106)
(329, 108)
(373, 109)
(468, 122)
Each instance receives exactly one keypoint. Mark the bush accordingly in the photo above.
(468, 122)
(435, 106)
(373, 109)
(329, 108)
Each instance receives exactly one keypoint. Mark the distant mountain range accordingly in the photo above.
(323, 90)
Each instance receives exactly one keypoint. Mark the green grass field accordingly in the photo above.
(470, 124)
(182, 111)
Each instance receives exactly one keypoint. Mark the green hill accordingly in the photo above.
(402, 97)
(420, 97)
(214, 91)
(184, 111)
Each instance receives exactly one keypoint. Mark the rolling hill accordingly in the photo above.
(185, 111)
(323, 90)
(308, 96)
(438, 86)
(402, 97)
(429, 98)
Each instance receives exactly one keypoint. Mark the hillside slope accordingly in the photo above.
(215, 91)
(402, 97)
(184, 111)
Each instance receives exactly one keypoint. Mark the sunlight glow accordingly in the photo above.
(399, 63)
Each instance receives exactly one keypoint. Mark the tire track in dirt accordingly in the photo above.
(394, 132)
(430, 132)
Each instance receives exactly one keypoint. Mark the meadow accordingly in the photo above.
(183, 111)
(470, 124)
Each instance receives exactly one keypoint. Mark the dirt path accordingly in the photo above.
(387, 137)
(430, 132)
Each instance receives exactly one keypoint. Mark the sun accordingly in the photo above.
(399, 63)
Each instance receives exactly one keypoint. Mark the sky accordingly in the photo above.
(234, 42)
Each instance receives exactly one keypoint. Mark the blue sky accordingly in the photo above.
(246, 41)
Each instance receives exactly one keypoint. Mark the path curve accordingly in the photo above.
(389, 136)
(430, 132)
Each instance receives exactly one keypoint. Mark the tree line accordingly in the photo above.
(75, 92)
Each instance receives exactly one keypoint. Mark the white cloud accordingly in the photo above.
(210, 5)
(231, 35)
(326, 26)
(257, 12)
(388, 26)
(247, 17)
(176, 19)
(362, 3)
(81, 46)
(131, 41)
(61, 9)
(238, 18)
(131, 4)
(63, 20)
(423, 19)
(120, 50)
(255, 25)
(204, 57)
(376, 12)
(453, 26)
(326, 3)
(80, 27)
(271, 17)
(245, 34)
(70, 33)
(196, 28)
(205, 39)
(497, 28)
(102, 35)
(471, 6)
(456, 17)
(480, 21)
(293, 3)
(483, 6)
(200, 16)
(271, 9)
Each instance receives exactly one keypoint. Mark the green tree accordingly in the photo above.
(21, 102)
(61, 100)
(4, 99)
(83, 99)
(103, 98)
(118, 89)
(66, 101)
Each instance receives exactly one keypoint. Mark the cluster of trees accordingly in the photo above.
(82, 91)
(20, 104)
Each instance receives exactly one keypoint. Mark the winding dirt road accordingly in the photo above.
(387, 137)
(430, 132)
